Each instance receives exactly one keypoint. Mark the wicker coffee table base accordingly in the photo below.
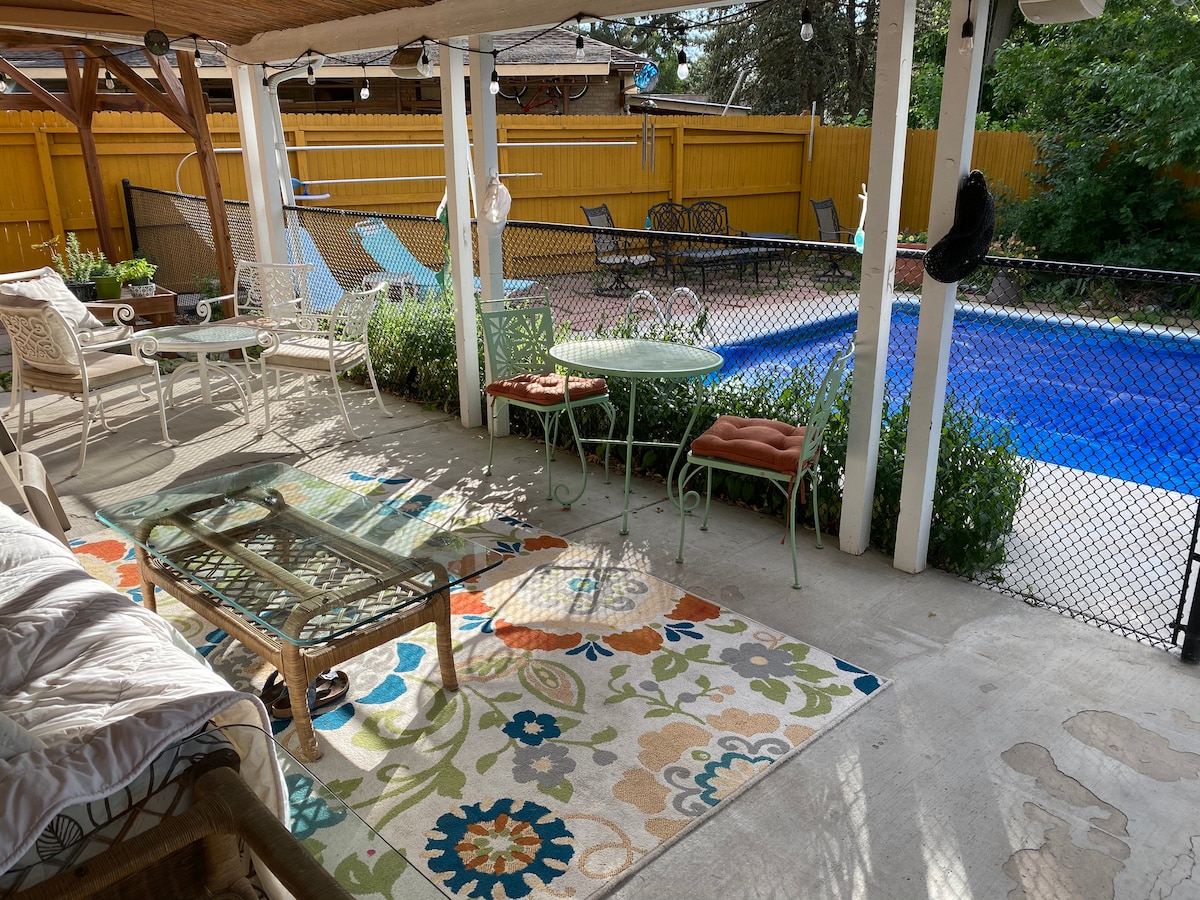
(300, 665)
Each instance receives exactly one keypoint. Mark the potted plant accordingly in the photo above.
(76, 265)
(137, 273)
(108, 281)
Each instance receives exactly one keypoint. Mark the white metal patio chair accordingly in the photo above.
(100, 325)
(24, 482)
(517, 342)
(324, 345)
(274, 291)
(51, 358)
(785, 454)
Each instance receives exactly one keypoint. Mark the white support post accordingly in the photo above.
(458, 212)
(956, 135)
(889, 129)
(257, 131)
(486, 158)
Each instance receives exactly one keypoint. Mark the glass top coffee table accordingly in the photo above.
(304, 573)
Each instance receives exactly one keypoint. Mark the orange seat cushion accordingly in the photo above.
(753, 442)
(547, 389)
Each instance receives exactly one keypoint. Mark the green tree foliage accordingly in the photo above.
(659, 38)
(1116, 102)
(784, 74)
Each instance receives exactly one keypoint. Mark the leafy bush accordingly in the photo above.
(981, 479)
(413, 351)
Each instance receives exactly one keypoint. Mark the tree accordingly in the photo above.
(785, 74)
(660, 38)
(1116, 102)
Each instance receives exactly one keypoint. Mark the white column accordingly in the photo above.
(257, 131)
(462, 260)
(485, 156)
(889, 129)
(956, 135)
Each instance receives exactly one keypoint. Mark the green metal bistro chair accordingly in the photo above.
(785, 454)
(517, 343)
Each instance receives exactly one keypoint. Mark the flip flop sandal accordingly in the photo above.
(323, 691)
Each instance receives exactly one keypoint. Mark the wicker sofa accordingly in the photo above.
(94, 692)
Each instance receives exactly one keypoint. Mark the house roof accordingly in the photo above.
(272, 31)
(529, 52)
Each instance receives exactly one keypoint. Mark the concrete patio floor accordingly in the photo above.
(1018, 753)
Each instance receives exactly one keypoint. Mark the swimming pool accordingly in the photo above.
(1103, 399)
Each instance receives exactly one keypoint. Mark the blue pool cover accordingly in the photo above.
(1114, 401)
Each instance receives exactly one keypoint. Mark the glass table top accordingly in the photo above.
(204, 336)
(305, 559)
(637, 358)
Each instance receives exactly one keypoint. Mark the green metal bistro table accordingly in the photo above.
(637, 360)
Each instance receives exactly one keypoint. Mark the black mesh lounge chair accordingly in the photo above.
(831, 232)
(613, 252)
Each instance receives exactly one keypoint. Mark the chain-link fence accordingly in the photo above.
(1070, 464)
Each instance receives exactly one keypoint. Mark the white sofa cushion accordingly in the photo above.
(49, 287)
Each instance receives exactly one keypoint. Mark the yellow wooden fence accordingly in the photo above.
(766, 169)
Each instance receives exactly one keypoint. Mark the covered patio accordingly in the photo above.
(1016, 750)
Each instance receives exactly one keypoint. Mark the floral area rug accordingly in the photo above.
(602, 714)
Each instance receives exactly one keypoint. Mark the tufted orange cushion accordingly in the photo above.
(754, 442)
(546, 390)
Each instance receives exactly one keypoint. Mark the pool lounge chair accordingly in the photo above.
(382, 244)
(324, 292)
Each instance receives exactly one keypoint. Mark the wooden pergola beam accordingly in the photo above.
(82, 87)
(210, 175)
(49, 101)
(164, 103)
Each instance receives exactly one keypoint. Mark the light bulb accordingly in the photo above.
(109, 81)
(968, 38)
(312, 76)
(424, 66)
(365, 91)
(196, 54)
(806, 28)
(494, 87)
(579, 47)
(3, 82)
(683, 71)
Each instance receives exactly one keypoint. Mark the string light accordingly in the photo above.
(312, 76)
(109, 81)
(579, 47)
(196, 54)
(3, 82)
(683, 71)
(968, 33)
(365, 91)
(424, 66)
(494, 85)
(806, 27)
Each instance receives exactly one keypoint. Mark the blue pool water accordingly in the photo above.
(1104, 400)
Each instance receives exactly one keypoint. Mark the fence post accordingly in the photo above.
(130, 218)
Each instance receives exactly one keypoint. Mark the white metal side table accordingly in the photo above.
(202, 340)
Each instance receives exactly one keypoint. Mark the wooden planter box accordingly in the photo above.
(910, 272)
(157, 310)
